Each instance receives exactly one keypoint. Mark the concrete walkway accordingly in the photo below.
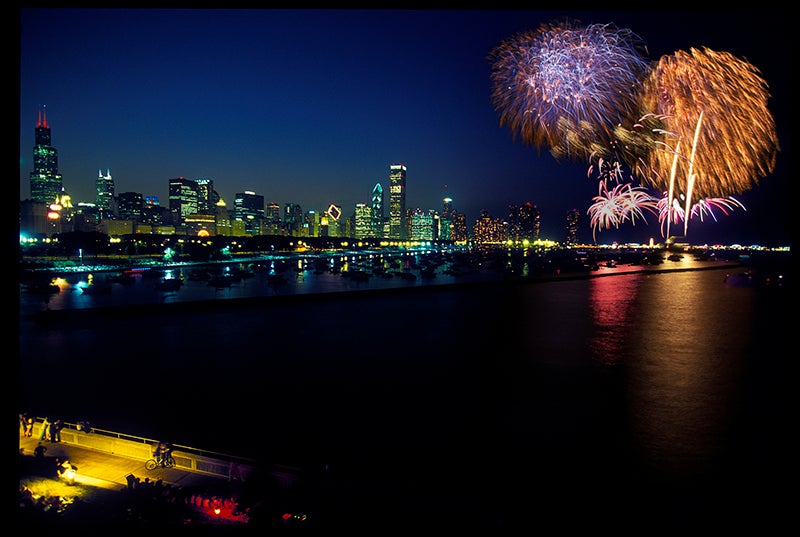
(110, 471)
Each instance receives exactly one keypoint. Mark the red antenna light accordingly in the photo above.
(41, 120)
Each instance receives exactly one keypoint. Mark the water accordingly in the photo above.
(647, 401)
(299, 276)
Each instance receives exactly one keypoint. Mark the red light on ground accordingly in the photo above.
(286, 516)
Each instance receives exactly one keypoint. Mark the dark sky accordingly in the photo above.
(312, 106)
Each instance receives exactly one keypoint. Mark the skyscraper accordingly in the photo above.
(293, 218)
(46, 183)
(183, 199)
(207, 197)
(377, 210)
(130, 205)
(104, 191)
(364, 222)
(398, 230)
(248, 207)
(572, 227)
(524, 222)
(273, 224)
(446, 220)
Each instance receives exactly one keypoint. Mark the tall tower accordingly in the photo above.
(446, 220)
(377, 211)
(104, 191)
(46, 183)
(572, 227)
(398, 229)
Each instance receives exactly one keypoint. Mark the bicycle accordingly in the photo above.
(166, 462)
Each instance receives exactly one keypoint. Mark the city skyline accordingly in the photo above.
(393, 86)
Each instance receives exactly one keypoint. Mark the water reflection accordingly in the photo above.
(611, 302)
(687, 357)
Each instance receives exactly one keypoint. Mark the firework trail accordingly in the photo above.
(717, 136)
(566, 86)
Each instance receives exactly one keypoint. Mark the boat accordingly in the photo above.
(97, 289)
(42, 287)
(357, 275)
(220, 281)
(427, 272)
(169, 284)
(740, 279)
(276, 279)
(124, 278)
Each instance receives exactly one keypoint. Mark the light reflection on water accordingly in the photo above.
(650, 367)
(688, 352)
(611, 302)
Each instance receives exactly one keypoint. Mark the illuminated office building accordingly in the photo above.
(524, 222)
(248, 207)
(207, 197)
(364, 222)
(398, 229)
(446, 220)
(377, 211)
(104, 192)
(183, 200)
(273, 224)
(130, 205)
(46, 185)
(572, 226)
(293, 219)
(424, 225)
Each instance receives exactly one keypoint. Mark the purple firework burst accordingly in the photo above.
(566, 86)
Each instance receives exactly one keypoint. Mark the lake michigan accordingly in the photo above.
(633, 399)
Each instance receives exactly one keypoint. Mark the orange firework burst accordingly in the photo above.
(718, 136)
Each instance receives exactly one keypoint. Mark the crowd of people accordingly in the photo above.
(50, 431)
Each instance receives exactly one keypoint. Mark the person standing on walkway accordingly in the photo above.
(29, 427)
(44, 435)
(55, 430)
(23, 423)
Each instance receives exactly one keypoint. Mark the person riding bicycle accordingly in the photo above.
(163, 453)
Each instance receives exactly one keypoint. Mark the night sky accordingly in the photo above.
(313, 106)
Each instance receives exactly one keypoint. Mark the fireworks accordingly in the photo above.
(704, 131)
(566, 86)
(672, 212)
(718, 136)
(614, 207)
